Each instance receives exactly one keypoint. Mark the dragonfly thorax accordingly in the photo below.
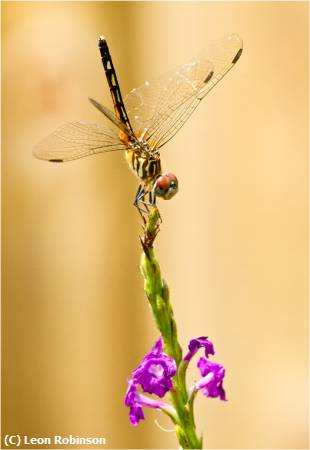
(145, 165)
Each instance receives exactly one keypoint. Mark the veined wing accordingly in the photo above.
(75, 140)
(112, 117)
(152, 104)
(159, 108)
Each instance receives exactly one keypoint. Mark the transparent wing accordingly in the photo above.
(75, 140)
(150, 105)
(159, 108)
(111, 116)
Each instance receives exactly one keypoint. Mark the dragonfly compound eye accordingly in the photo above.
(166, 186)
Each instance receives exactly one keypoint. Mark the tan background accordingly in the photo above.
(233, 242)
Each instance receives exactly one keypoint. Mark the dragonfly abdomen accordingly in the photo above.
(146, 167)
(119, 106)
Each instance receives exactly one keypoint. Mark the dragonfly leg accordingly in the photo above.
(151, 203)
(140, 199)
(139, 195)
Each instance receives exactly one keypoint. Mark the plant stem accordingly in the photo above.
(157, 293)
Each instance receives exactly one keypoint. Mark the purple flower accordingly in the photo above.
(132, 400)
(135, 415)
(211, 385)
(196, 344)
(137, 401)
(154, 375)
(156, 370)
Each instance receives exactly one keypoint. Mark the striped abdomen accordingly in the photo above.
(118, 103)
(147, 168)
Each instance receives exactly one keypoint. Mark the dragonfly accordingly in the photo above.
(146, 120)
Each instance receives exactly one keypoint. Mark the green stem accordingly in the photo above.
(158, 295)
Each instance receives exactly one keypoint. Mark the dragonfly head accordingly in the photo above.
(166, 186)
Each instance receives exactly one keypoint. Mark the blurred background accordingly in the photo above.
(232, 246)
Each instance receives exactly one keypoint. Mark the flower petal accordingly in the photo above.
(156, 370)
(196, 344)
(136, 401)
(211, 385)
